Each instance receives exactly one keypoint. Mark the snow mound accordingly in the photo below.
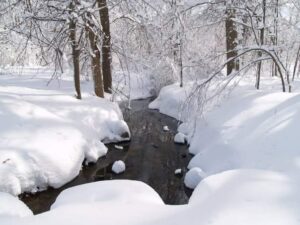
(118, 167)
(11, 206)
(118, 191)
(233, 197)
(247, 197)
(180, 138)
(170, 101)
(193, 177)
(46, 133)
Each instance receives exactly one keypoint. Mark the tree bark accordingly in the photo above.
(96, 65)
(231, 41)
(262, 38)
(106, 46)
(76, 58)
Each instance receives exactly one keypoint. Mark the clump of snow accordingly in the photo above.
(119, 147)
(166, 128)
(178, 171)
(180, 138)
(94, 151)
(193, 177)
(118, 167)
(46, 133)
(11, 206)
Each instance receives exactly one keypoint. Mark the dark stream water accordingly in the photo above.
(151, 156)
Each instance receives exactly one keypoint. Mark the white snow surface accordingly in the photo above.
(119, 147)
(248, 149)
(46, 133)
(166, 128)
(233, 197)
(118, 167)
(11, 206)
(249, 129)
(171, 100)
(117, 191)
(180, 138)
(193, 177)
(178, 171)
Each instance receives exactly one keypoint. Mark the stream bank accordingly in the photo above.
(151, 156)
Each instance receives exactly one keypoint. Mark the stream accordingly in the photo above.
(151, 156)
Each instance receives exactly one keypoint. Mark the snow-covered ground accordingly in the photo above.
(233, 197)
(246, 152)
(46, 133)
(250, 141)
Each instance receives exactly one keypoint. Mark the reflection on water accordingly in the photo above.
(151, 156)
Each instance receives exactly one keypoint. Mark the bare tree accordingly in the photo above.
(106, 45)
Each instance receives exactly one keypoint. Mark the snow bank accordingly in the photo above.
(248, 149)
(251, 129)
(170, 101)
(46, 133)
(247, 197)
(233, 197)
(11, 206)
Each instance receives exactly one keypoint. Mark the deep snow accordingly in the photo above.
(233, 197)
(46, 133)
(250, 129)
(247, 147)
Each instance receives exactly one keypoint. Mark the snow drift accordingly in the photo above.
(46, 133)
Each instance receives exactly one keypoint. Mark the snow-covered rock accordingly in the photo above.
(117, 191)
(193, 177)
(180, 138)
(118, 167)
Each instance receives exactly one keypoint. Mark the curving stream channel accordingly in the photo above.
(151, 156)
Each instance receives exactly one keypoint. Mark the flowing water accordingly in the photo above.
(151, 156)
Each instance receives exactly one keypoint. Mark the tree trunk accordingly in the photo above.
(76, 58)
(106, 46)
(96, 65)
(231, 41)
(262, 38)
(296, 63)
